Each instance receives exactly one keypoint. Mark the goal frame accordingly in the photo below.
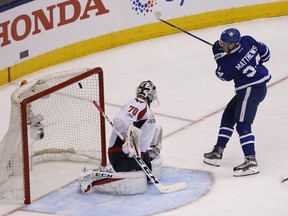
(24, 127)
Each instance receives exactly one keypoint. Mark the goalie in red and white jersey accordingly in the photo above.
(136, 123)
(136, 112)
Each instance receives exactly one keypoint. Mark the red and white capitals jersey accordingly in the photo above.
(136, 112)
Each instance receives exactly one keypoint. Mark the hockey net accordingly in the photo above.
(71, 128)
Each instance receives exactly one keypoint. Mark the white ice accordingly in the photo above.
(191, 99)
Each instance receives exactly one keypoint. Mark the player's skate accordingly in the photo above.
(249, 167)
(214, 157)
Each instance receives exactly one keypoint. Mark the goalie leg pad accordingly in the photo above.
(157, 140)
(157, 166)
(156, 145)
(122, 183)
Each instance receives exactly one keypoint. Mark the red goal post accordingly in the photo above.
(69, 127)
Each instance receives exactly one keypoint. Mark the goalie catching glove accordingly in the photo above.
(131, 146)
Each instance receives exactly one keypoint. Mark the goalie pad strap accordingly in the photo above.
(114, 149)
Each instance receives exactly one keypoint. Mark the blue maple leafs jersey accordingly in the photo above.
(244, 64)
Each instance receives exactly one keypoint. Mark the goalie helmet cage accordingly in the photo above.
(73, 130)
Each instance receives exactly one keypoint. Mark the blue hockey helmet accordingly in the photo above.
(229, 36)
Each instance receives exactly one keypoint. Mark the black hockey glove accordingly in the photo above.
(216, 45)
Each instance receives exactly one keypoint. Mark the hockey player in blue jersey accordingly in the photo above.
(240, 59)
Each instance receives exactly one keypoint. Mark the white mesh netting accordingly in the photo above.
(68, 118)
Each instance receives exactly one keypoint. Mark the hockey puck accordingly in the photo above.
(80, 85)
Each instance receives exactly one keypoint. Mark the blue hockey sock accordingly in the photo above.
(246, 137)
(247, 143)
(224, 136)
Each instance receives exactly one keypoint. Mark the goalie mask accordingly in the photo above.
(147, 90)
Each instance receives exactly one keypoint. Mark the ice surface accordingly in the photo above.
(191, 99)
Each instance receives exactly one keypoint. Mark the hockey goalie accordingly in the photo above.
(141, 136)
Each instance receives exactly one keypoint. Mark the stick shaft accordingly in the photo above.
(185, 31)
(108, 120)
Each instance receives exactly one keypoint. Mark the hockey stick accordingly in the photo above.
(158, 15)
(284, 180)
(162, 188)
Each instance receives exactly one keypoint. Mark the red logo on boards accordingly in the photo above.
(31, 24)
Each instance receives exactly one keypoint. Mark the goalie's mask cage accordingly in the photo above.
(73, 129)
(147, 90)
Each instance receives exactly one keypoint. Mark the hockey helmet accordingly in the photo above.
(230, 36)
(147, 90)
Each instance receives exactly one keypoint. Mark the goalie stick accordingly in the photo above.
(162, 188)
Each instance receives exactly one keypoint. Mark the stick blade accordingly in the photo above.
(171, 188)
(158, 14)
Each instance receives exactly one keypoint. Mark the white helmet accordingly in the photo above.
(147, 90)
